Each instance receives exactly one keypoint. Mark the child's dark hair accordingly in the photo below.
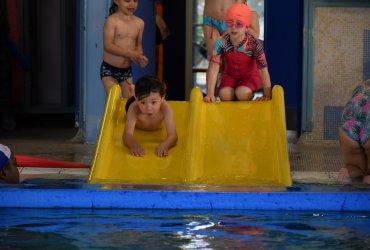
(113, 8)
(147, 84)
(144, 86)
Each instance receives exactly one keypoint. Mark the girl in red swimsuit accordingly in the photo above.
(245, 62)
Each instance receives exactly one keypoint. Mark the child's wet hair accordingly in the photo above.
(113, 8)
(147, 84)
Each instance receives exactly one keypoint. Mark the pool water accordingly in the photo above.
(182, 229)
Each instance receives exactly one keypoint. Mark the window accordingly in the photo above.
(200, 61)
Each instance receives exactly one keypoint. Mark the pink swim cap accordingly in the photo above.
(240, 12)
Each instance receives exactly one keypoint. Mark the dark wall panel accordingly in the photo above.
(283, 47)
(174, 49)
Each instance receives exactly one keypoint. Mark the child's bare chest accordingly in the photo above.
(152, 122)
(127, 30)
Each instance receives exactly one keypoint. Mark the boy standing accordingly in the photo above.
(123, 33)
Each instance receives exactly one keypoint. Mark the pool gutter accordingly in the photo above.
(99, 197)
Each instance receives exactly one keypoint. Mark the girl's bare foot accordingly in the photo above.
(343, 176)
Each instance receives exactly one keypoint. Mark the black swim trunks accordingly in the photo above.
(120, 74)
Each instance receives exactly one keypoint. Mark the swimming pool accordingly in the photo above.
(182, 229)
(70, 214)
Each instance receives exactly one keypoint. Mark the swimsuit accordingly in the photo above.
(219, 25)
(241, 62)
(120, 74)
(355, 120)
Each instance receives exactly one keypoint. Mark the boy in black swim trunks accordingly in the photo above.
(123, 33)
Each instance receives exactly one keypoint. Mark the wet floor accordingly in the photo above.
(311, 161)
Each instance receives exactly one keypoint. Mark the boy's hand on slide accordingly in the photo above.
(161, 150)
(137, 151)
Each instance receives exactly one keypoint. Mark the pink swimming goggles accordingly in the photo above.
(237, 24)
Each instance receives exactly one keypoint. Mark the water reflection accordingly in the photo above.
(185, 229)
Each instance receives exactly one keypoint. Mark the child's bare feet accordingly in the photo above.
(343, 176)
(366, 179)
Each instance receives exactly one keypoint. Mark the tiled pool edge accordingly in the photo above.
(139, 199)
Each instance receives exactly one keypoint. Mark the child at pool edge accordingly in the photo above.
(148, 110)
(245, 61)
(8, 166)
(123, 34)
(354, 134)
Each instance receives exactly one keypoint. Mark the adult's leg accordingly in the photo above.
(210, 36)
(354, 157)
(366, 179)
(108, 82)
(243, 93)
(226, 94)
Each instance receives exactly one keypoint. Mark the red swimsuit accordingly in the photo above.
(241, 63)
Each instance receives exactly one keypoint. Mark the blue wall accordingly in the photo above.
(284, 49)
(95, 12)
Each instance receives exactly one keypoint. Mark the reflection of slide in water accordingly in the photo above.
(227, 144)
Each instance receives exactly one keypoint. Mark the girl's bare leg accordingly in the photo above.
(243, 93)
(226, 94)
(354, 156)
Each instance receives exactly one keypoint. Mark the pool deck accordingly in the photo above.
(313, 164)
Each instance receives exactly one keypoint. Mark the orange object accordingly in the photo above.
(28, 161)
(159, 47)
(240, 12)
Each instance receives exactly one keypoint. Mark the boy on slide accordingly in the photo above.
(148, 110)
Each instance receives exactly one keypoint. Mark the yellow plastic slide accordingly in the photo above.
(220, 144)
